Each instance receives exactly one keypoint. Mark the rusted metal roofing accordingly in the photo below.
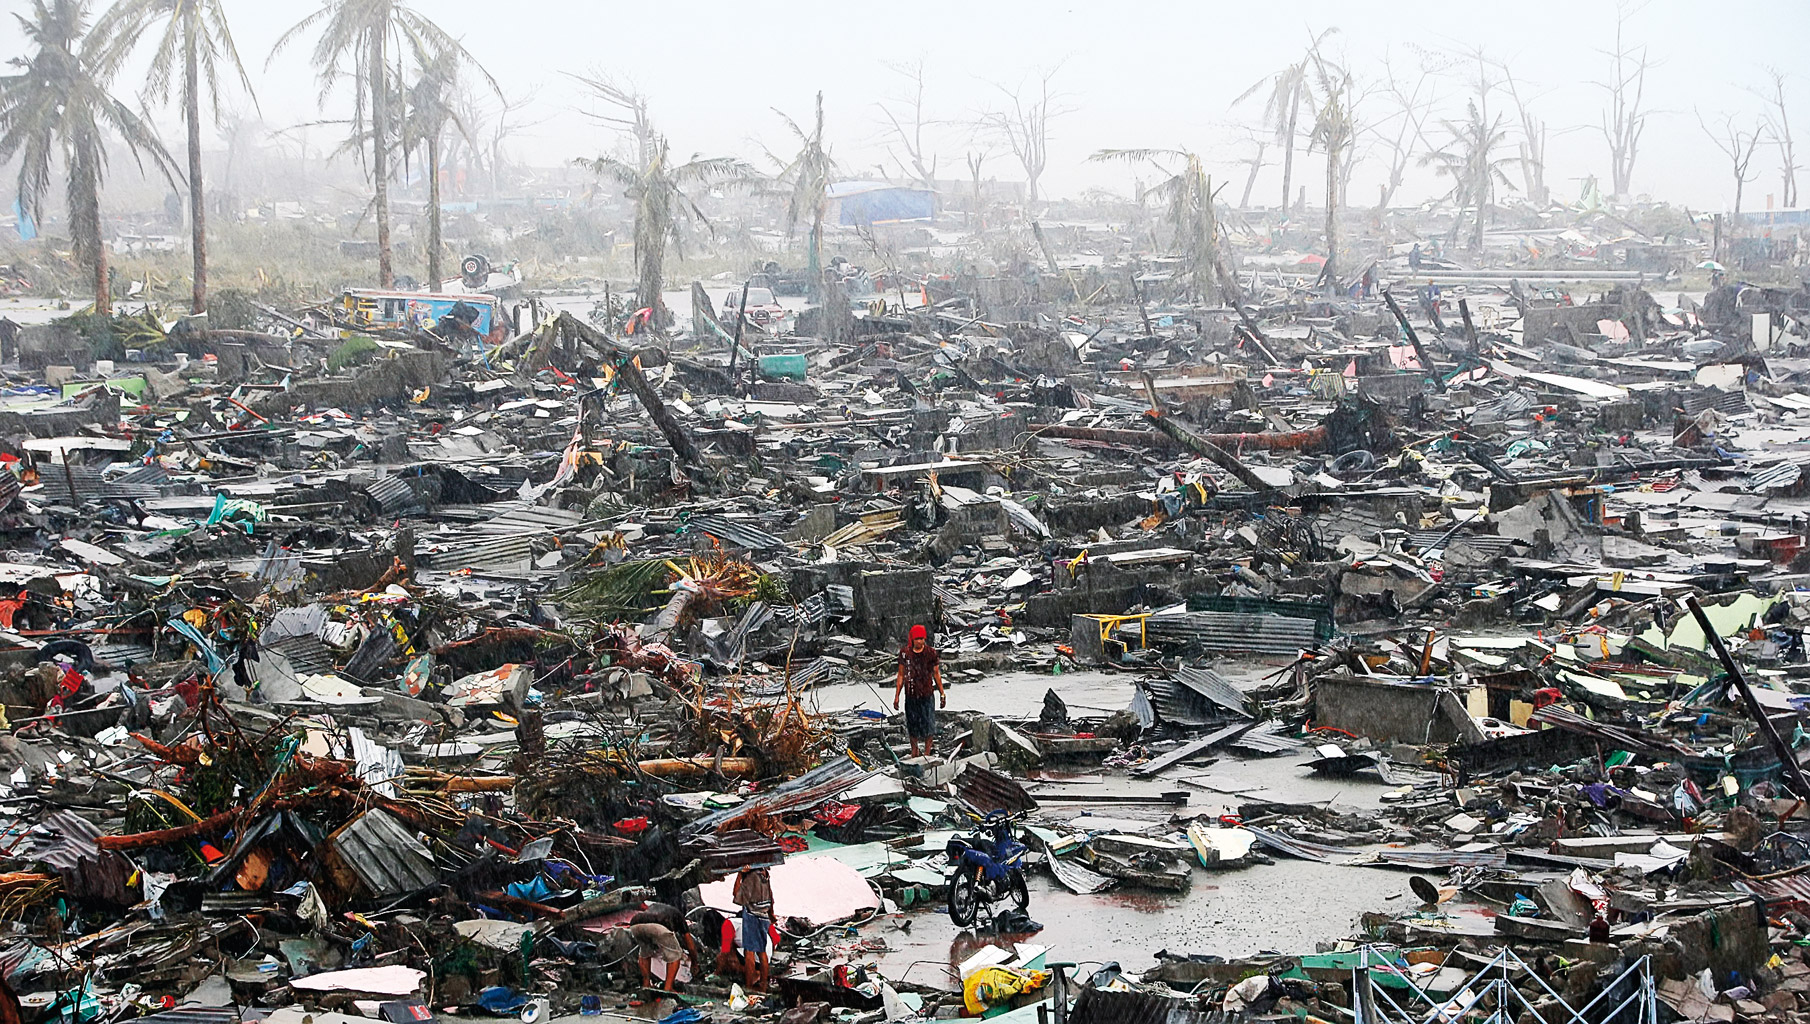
(1560, 718)
(725, 853)
(1789, 889)
(987, 791)
(807, 790)
(66, 846)
(738, 532)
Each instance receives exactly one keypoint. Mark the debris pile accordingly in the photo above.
(491, 662)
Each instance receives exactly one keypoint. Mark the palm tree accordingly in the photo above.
(431, 103)
(1475, 172)
(1333, 132)
(809, 176)
(57, 102)
(196, 34)
(661, 191)
(1288, 89)
(360, 37)
(1193, 224)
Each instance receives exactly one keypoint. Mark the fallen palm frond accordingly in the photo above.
(21, 891)
(622, 591)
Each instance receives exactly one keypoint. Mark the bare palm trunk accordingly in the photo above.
(1483, 198)
(653, 283)
(1288, 147)
(191, 83)
(814, 257)
(380, 165)
(1332, 212)
(433, 213)
(85, 221)
(1244, 201)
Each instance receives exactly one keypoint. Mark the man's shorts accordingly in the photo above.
(754, 933)
(920, 717)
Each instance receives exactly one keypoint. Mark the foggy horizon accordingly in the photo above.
(1162, 76)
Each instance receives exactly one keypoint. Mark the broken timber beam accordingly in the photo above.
(624, 361)
(1420, 351)
(1160, 418)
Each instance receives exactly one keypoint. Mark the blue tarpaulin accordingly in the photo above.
(28, 229)
(865, 203)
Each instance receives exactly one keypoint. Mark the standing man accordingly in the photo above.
(754, 894)
(921, 682)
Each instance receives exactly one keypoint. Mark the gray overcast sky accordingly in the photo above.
(1159, 74)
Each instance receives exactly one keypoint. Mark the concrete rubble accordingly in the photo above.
(354, 670)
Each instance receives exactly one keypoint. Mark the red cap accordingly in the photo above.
(919, 633)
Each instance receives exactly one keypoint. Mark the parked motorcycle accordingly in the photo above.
(986, 868)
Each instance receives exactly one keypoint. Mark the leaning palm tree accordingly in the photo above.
(662, 194)
(1469, 160)
(360, 38)
(1188, 195)
(57, 103)
(195, 34)
(808, 178)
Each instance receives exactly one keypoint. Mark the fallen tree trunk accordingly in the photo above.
(667, 766)
(164, 836)
(624, 362)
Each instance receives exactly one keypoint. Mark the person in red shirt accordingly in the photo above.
(921, 682)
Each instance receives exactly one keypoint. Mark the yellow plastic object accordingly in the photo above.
(991, 986)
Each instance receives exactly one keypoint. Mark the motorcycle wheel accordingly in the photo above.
(964, 899)
(1019, 890)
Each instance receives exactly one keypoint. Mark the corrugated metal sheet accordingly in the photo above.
(1731, 402)
(1790, 889)
(812, 672)
(379, 766)
(305, 654)
(90, 485)
(807, 790)
(738, 532)
(1560, 718)
(1190, 749)
(1099, 1006)
(724, 853)
(303, 620)
(193, 1015)
(1178, 706)
(502, 543)
(987, 791)
(1268, 738)
(1213, 687)
(1429, 860)
(66, 845)
(384, 855)
(1300, 848)
(1771, 478)
(392, 494)
(1234, 632)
